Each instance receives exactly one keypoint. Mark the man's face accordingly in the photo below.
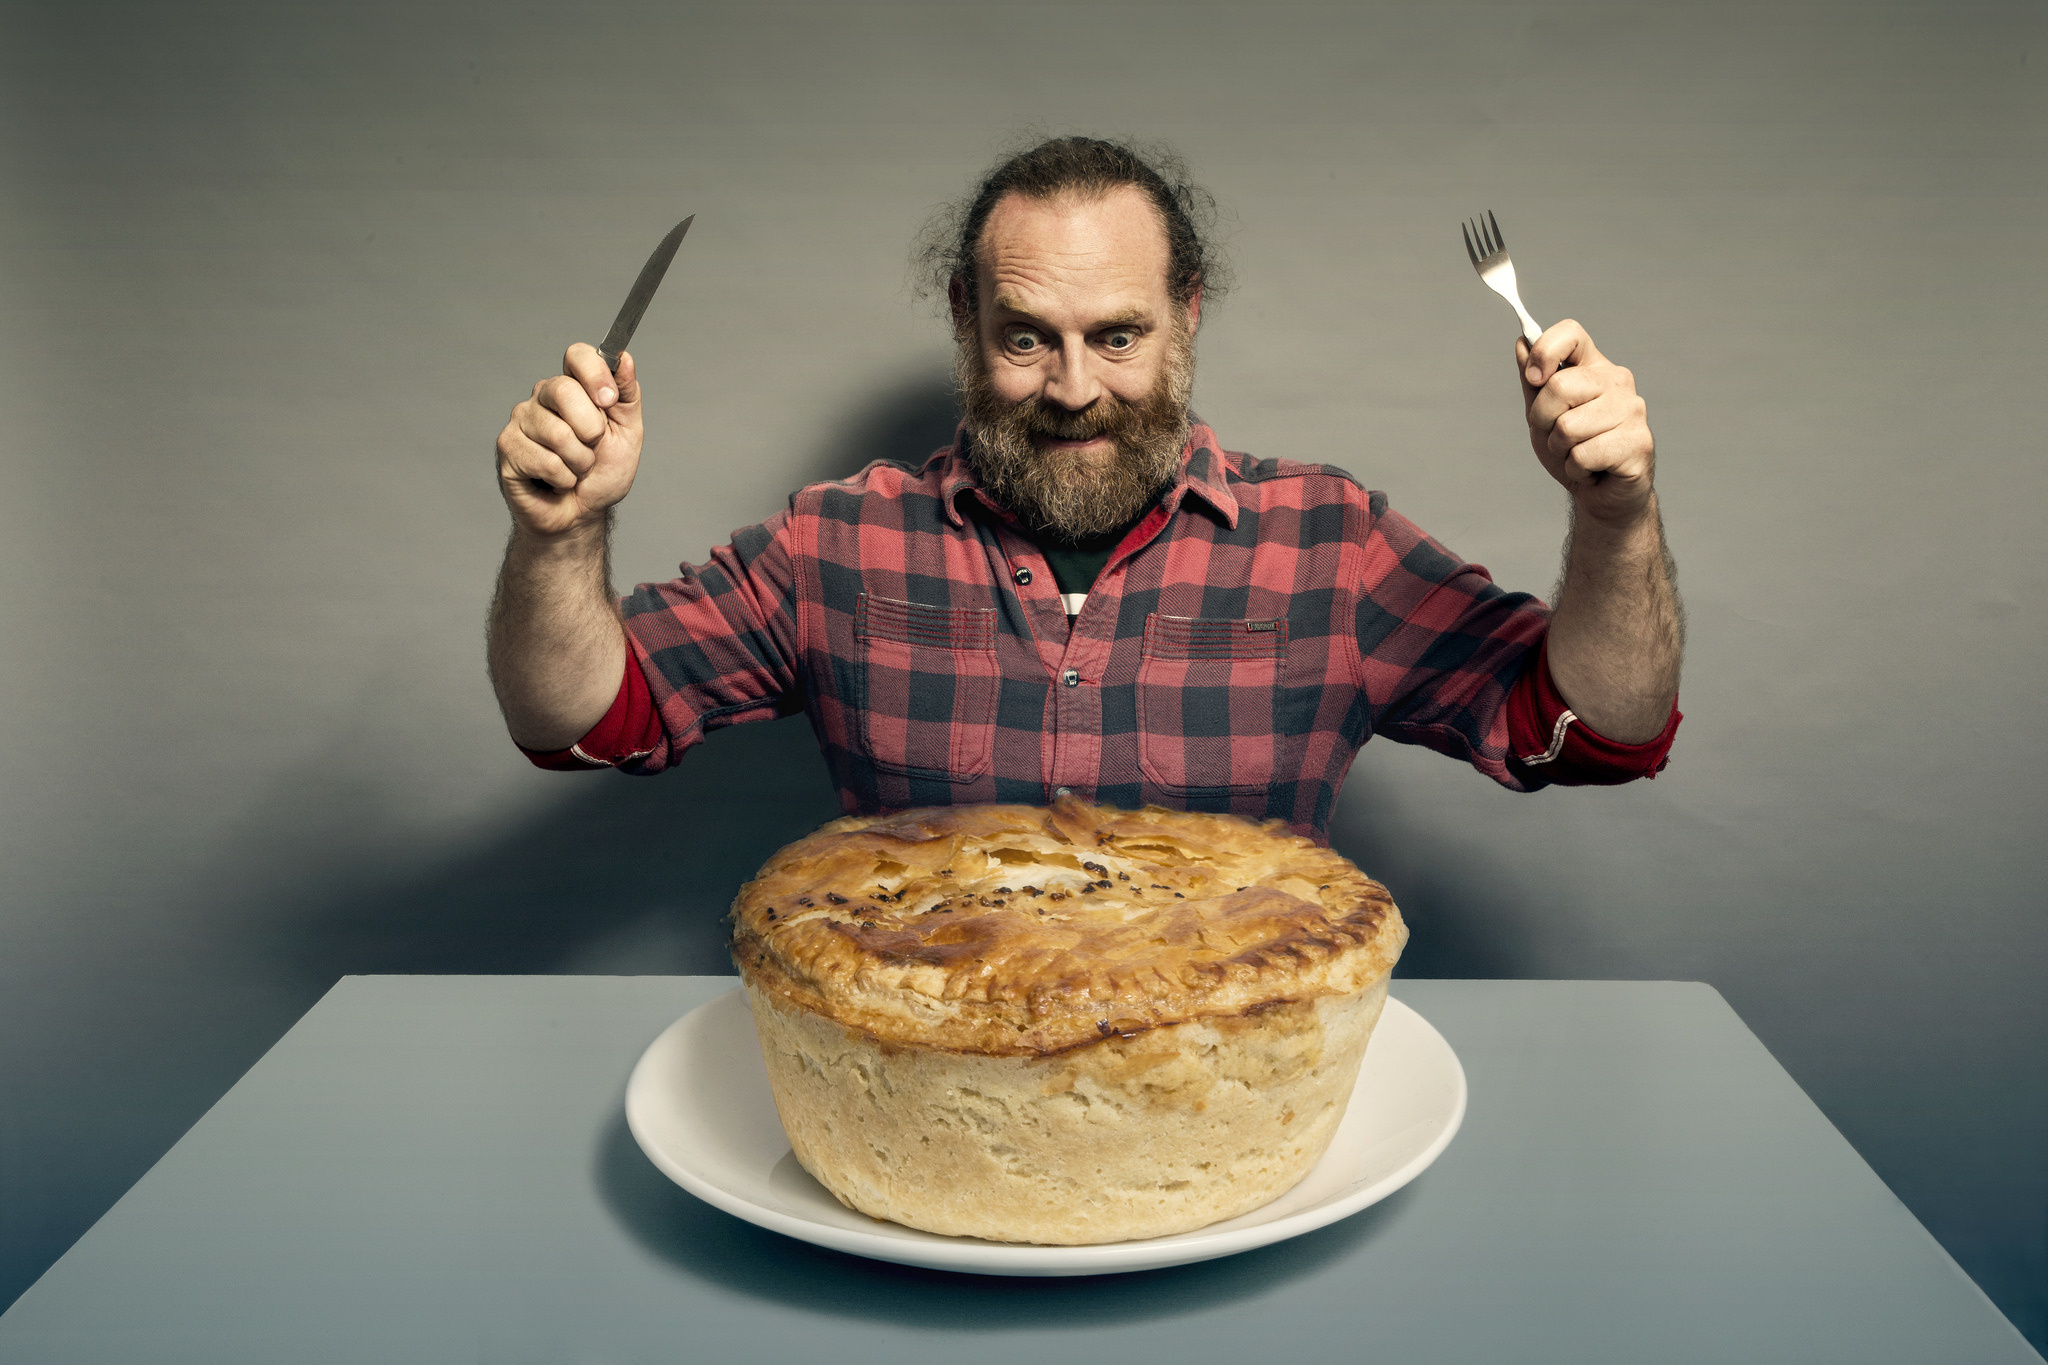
(1077, 373)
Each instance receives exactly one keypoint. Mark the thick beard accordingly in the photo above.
(1068, 494)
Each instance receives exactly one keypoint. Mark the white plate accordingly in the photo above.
(699, 1106)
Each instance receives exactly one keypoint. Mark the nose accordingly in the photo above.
(1071, 380)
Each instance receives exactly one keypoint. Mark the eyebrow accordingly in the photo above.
(1010, 303)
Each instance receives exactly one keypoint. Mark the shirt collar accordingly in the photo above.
(1203, 472)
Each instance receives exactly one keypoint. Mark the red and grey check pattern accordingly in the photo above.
(1250, 633)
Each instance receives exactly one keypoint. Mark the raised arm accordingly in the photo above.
(1616, 638)
(565, 458)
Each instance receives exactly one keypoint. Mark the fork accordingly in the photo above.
(1489, 255)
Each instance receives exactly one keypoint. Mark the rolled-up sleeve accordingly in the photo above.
(1548, 743)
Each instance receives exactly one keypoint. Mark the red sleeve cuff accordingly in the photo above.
(629, 730)
(1545, 737)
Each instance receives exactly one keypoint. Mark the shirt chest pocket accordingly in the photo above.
(929, 681)
(1206, 703)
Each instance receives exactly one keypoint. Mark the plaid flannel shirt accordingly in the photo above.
(1257, 626)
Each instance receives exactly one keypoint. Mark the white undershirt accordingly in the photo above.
(1073, 602)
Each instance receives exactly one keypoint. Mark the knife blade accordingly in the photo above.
(636, 302)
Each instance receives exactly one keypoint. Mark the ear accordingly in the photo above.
(1195, 310)
(962, 306)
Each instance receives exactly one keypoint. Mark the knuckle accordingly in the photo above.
(562, 392)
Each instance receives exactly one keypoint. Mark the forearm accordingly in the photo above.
(1617, 635)
(557, 653)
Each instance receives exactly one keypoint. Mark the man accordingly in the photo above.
(1086, 593)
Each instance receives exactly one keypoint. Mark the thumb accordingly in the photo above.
(629, 384)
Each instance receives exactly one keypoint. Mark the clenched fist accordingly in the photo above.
(570, 451)
(1587, 424)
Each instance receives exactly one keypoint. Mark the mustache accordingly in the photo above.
(1107, 416)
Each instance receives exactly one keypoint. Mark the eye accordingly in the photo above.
(1120, 339)
(1022, 339)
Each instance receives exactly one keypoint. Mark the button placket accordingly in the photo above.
(1076, 756)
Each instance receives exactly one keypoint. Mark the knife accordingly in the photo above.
(643, 290)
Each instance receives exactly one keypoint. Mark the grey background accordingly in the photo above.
(273, 276)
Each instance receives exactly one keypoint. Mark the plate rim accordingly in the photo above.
(973, 1255)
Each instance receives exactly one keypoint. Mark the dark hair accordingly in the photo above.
(947, 248)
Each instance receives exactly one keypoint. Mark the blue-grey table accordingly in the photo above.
(437, 1169)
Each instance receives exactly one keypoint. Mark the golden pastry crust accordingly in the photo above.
(1022, 931)
(1147, 1136)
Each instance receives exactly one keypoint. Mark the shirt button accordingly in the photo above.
(1023, 576)
(1072, 677)
(1062, 791)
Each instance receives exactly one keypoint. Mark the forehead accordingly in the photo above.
(1104, 251)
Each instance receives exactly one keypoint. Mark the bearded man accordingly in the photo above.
(1086, 593)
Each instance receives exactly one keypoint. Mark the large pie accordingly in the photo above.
(1063, 1025)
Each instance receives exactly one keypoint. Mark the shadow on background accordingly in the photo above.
(1459, 924)
(622, 875)
(709, 1245)
(905, 423)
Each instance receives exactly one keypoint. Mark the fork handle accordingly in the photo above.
(1530, 331)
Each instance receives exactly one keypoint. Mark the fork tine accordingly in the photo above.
(1470, 250)
(1500, 243)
